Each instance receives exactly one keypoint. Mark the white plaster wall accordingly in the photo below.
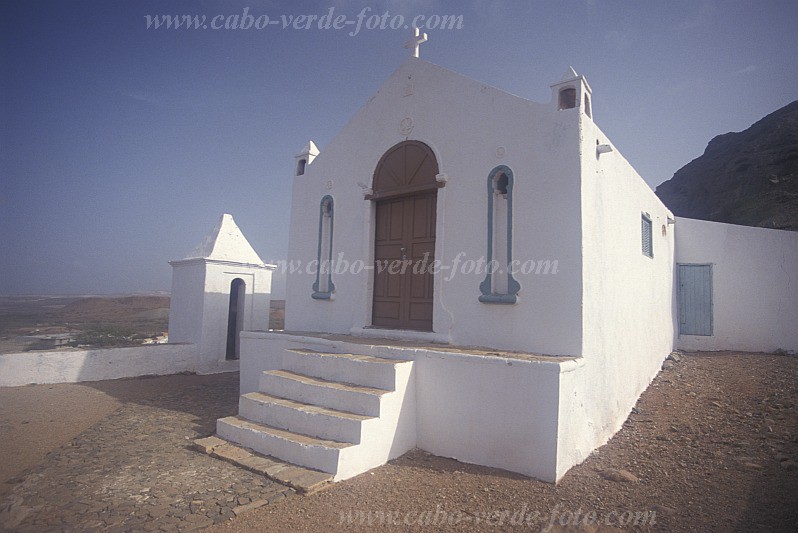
(489, 411)
(185, 306)
(72, 366)
(464, 122)
(215, 307)
(628, 324)
(755, 285)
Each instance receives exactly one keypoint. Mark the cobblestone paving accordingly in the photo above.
(135, 471)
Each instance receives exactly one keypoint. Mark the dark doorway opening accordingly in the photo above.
(235, 318)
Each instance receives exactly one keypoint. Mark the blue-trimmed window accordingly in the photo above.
(323, 287)
(647, 241)
(499, 286)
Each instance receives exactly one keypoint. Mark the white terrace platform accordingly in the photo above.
(345, 404)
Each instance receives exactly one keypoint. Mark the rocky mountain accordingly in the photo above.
(749, 177)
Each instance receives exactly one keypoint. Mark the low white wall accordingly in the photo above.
(489, 411)
(72, 366)
(754, 284)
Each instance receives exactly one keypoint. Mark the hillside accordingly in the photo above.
(748, 178)
(93, 320)
(115, 309)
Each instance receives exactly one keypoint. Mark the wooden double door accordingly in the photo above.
(404, 252)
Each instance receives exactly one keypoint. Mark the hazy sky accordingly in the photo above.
(121, 146)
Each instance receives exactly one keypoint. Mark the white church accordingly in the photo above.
(489, 280)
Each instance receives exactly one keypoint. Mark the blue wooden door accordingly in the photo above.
(695, 299)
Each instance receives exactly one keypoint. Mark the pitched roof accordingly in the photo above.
(310, 148)
(225, 243)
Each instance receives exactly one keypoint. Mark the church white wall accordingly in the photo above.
(755, 285)
(73, 366)
(628, 324)
(465, 122)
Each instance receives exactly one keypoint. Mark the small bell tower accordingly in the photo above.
(572, 91)
(305, 157)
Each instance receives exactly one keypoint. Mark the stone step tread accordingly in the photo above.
(310, 380)
(299, 478)
(299, 438)
(262, 397)
(350, 356)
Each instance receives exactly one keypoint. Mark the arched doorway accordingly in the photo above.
(405, 191)
(235, 318)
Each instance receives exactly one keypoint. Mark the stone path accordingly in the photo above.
(136, 470)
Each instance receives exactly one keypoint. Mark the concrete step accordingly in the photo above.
(303, 418)
(302, 450)
(364, 370)
(299, 478)
(316, 391)
(340, 413)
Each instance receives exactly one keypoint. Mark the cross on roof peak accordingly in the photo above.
(416, 40)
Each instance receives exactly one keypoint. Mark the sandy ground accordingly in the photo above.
(711, 446)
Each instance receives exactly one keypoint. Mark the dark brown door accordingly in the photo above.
(404, 250)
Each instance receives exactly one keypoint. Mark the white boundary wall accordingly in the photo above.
(73, 366)
(754, 285)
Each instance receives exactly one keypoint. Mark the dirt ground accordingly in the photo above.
(712, 445)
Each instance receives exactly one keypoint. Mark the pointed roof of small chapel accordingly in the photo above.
(225, 243)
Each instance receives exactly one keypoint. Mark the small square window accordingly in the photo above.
(648, 245)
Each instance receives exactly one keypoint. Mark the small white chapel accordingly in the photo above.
(490, 281)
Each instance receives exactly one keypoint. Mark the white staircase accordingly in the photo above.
(339, 413)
